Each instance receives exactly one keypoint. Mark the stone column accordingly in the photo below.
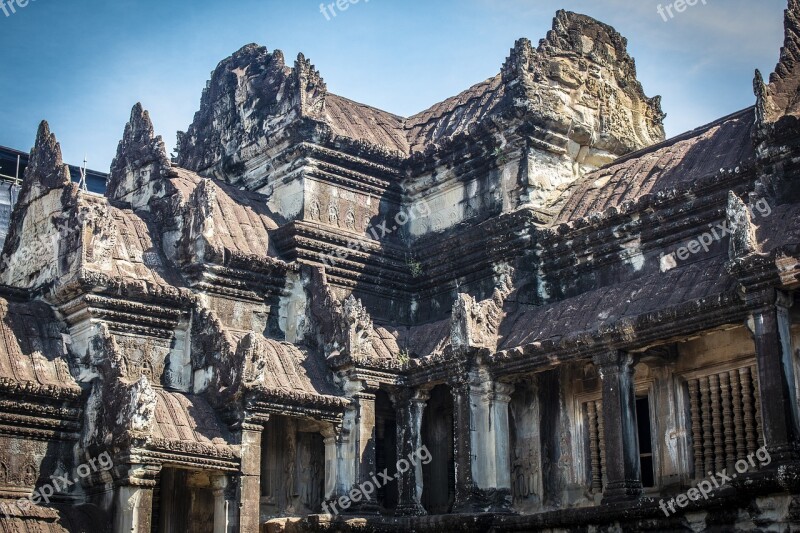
(365, 449)
(249, 486)
(501, 400)
(340, 463)
(776, 382)
(410, 407)
(224, 504)
(623, 471)
(481, 432)
(329, 436)
(491, 460)
(133, 508)
(462, 446)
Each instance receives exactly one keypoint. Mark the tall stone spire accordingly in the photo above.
(46, 169)
(41, 232)
(141, 159)
(782, 95)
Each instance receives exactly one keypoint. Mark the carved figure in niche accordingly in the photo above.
(305, 476)
(315, 210)
(350, 219)
(333, 215)
(525, 473)
(147, 370)
(310, 478)
(30, 475)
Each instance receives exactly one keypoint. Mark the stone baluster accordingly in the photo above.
(727, 420)
(708, 434)
(602, 444)
(738, 415)
(749, 413)
(716, 424)
(594, 447)
(697, 428)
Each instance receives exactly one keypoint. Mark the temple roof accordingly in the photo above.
(454, 115)
(284, 370)
(365, 123)
(122, 246)
(234, 221)
(33, 352)
(676, 163)
(186, 422)
(777, 225)
(603, 307)
(781, 96)
(419, 341)
(253, 98)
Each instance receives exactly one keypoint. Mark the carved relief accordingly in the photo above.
(333, 215)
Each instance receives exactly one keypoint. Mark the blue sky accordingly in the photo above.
(83, 64)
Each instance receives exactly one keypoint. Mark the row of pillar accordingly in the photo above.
(481, 438)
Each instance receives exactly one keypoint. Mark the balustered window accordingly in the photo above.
(725, 418)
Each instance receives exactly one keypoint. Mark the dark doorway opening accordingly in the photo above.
(439, 483)
(386, 448)
(185, 502)
(644, 431)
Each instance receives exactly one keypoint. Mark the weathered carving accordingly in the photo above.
(475, 324)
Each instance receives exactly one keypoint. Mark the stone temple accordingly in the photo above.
(522, 309)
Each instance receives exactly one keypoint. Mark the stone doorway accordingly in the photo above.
(183, 501)
(438, 488)
(386, 449)
(292, 468)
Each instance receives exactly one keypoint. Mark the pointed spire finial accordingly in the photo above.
(139, 148)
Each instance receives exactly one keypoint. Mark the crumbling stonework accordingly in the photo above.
(584, 322)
